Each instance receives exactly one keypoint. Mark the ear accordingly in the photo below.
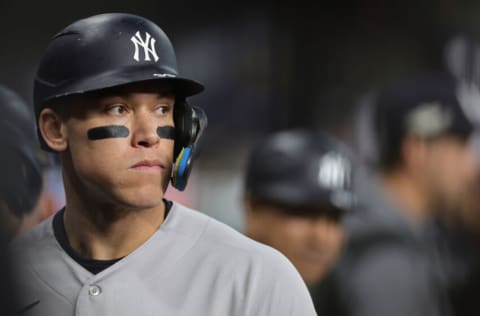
(52, 129)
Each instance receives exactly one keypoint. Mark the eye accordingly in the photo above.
(117, 109)
(162, 109)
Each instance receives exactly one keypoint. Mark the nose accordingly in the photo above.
(144, 133)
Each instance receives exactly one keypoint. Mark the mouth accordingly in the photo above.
(148, 165)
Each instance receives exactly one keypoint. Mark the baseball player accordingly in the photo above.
(298, 188)
(109, 100)
(426, 168)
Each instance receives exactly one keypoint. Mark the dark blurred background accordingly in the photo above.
(266, 65)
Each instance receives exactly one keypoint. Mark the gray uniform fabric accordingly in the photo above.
(388, 267)
(193, 265)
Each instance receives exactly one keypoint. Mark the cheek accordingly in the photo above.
(454, 171)
(460, 165)
(334, 240)
(469, 166)
(97, 157)
(167, 147)
(440, 179)
(98, 154)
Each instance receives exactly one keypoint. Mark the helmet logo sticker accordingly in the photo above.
(164, 75)
(334, 171)
(148, 46)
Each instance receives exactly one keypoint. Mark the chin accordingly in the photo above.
(142, 205)
(143, 198)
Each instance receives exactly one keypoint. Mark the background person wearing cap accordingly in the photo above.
(426, 167)
(298, 187)
(109, 100)
(458, 233)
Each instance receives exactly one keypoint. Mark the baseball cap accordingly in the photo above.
(427, 107)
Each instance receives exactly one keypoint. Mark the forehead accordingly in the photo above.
(325, 211)
(79, 104)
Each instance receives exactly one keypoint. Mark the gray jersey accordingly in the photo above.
(387, 267)
(193, 265)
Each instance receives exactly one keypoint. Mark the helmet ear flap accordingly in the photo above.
(183, 124)
(190, 121)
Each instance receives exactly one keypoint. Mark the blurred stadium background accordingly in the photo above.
(266, 65)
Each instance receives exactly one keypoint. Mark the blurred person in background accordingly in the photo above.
(457, 234)
(23, 203)
(426, 167)
(20, 181)
(298, 187)
(456, 240)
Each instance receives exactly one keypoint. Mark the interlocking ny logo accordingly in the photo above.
(148, 46)
(334, 171)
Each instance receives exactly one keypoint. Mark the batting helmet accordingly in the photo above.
(113, 49)
(299, 170)
(20, 167)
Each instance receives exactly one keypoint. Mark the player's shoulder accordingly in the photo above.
(220, 239)
(272, 284)
(213, 231)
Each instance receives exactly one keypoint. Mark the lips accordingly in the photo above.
(148, 165)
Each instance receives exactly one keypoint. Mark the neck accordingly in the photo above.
(107, 232)
(407, 193)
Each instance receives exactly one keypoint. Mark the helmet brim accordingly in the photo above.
(182, 86)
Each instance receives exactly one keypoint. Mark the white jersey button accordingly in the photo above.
(94, 290)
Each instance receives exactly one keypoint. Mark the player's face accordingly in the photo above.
(452, 170)
(312, 244)
(120, 145)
